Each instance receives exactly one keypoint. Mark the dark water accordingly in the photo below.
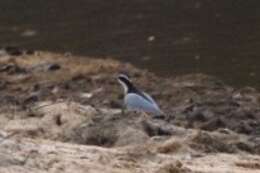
(217, 37)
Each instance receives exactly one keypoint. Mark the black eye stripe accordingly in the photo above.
(130, 86)
(125, 80)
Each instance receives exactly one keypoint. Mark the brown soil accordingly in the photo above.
(71, 106)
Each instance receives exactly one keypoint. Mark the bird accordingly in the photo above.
(137, 100)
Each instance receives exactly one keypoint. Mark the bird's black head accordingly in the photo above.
(124, 78)
(125, 82)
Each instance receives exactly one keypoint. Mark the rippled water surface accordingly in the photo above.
(217, 37)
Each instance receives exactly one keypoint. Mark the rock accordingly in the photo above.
(96, 134)
(28, 33)
(86, 95)
(213, 124)
(13, 50)
(34, 97)
(54, 67)
(153, 129)
(208, 143)
(29, 52)
(3, 85)
(12, 69)
(46, 66)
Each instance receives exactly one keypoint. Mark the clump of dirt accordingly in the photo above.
(48, 120)
(219, 142)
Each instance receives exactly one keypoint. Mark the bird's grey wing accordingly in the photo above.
(151, 99)
(160, 112)
(136, 102)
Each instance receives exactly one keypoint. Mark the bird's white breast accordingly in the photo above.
(124, 86)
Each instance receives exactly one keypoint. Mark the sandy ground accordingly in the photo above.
(62, 113)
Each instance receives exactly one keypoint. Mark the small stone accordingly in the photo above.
(197, 57)
(86, 95)
(28, 33)
(13, 50)
(151, 38)
(54, 67)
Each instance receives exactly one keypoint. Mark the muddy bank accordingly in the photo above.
(192, 101)
(59, 99)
